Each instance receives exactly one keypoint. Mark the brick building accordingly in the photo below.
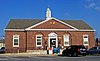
(22, 35)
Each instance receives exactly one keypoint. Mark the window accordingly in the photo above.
(85, 40)
(66, 40)
(38, 40)
(15, 40)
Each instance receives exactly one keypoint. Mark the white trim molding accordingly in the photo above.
(86, 40)
(58, 30)
(52, 35)
(14, 29)
(86, 30)
(66, 39)
(48, 30)
(54, 29)
(40, 40)
(15, 37)
(48, 20)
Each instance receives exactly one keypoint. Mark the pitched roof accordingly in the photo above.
(79, 24)
(25, 23)
(21, 23)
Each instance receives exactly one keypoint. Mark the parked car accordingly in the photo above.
(94, 50)
(75, 50)
(2, 50)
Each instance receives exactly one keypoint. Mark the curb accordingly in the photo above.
(26, 54)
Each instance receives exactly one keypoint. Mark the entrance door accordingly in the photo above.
(53, 42)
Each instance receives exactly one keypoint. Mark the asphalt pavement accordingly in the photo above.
(55, 57)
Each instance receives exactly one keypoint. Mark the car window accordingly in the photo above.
(95, 47)
(92, 48)
(69, 47)
(99, 47)
(82, 46)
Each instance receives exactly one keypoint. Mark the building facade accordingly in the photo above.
(2, 43)
(22, 35)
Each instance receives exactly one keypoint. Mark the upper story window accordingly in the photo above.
(15, 40)
(66, 40)
(38, 40)
(85, 40)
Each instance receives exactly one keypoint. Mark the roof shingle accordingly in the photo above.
(25, 23)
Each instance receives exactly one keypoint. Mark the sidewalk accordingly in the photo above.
(26, 54)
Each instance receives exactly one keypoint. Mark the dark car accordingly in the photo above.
(94, 50)
(2, 50)
(75, 50)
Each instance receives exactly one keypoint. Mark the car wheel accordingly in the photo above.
(75, 54)
(91, 53)
(84, 54)
(99, 52)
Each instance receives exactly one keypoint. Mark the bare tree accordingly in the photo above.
(97, 40)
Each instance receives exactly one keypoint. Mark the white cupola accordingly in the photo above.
(48, 13)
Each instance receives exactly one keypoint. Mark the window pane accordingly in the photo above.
(38, 43)
(38, 37)
(85, 37)
(66, 40)
(66, 37)
(16, 40)
(66, 43)
(38, 40)
(85, 42)
(15, 43)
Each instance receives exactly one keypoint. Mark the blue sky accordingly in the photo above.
(87, 10)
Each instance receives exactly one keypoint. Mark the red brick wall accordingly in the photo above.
(9, 41)
(76, 38)
(52, 24)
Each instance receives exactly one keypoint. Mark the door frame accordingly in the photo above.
(52, 35)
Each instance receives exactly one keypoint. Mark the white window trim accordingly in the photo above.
(36, 41)
(64, 40)
(15, 38)
(84, 41)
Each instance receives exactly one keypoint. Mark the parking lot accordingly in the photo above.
(50, 58)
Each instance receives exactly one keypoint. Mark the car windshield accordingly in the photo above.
(82, 47)
(93, 48)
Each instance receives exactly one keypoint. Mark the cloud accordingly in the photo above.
(92, 4)
(97, 8)
(89, 0)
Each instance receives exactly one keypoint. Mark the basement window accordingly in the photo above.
(15, 40)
